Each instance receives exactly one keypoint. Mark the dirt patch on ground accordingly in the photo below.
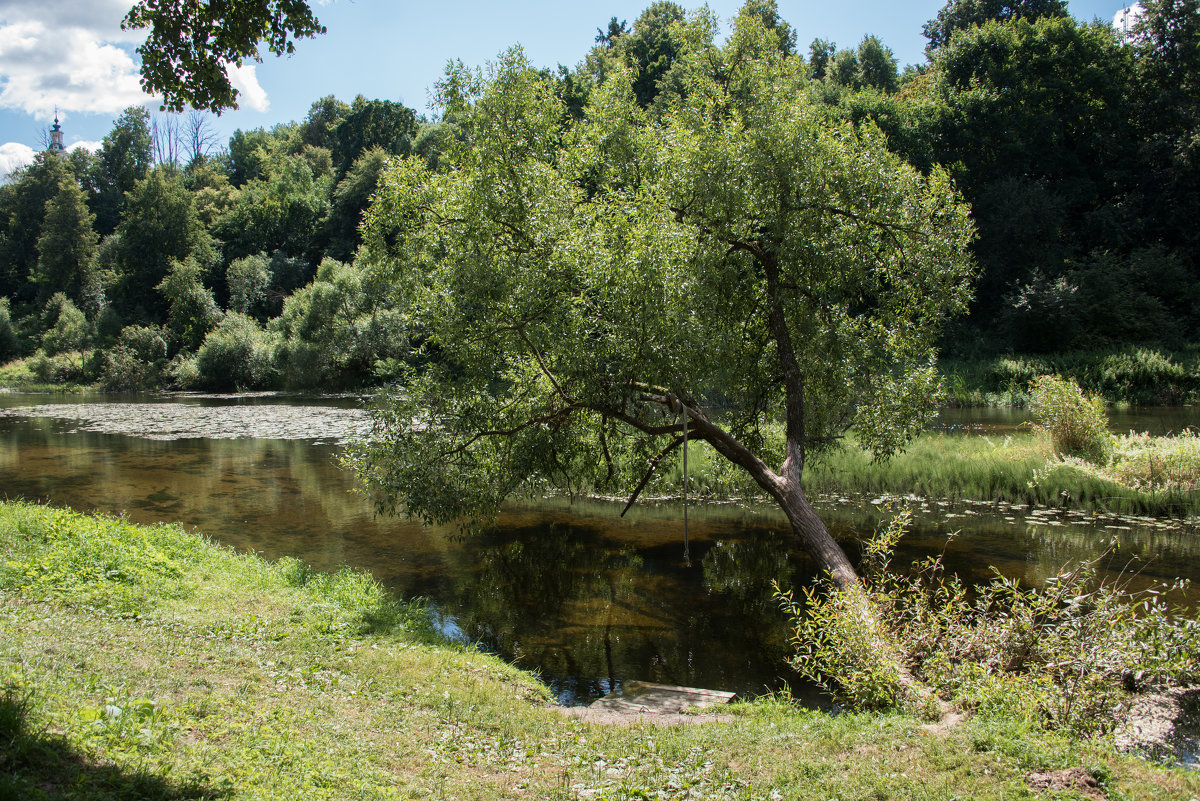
(171, 421)
(1163, 726)
(1075, 779)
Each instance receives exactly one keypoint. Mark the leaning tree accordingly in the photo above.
(587, 294)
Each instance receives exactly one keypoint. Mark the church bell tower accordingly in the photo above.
(56, 142)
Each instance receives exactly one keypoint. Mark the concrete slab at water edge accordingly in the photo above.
(655, 704)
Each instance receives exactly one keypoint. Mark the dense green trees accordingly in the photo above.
(1075, 147)
(124, 159)
(160, 227)
(600, 289)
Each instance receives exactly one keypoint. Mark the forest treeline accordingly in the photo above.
(162, 260)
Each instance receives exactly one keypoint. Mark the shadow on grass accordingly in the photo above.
(37, 766)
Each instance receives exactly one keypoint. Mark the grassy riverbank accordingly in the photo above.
(145, 663)
(1156, 476)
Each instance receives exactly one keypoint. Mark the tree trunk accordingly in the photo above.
(814, 536)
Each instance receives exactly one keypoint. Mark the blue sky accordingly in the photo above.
(72, 54)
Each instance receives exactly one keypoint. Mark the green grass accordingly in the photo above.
(1154, 476)
(18, 374)
(146, 663)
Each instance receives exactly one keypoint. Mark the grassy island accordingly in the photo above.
(148, 663)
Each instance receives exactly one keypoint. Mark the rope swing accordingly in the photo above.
(687, 555)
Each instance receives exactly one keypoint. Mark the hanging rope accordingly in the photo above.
(687, 555)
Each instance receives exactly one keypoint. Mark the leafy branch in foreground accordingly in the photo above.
(192, 46)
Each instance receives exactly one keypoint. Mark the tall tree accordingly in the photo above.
(1032, 117)
(1166, 44)
(22, 210)
(368, 124)
(159, 227)
(958, 15)
(125, 157)
(350, 200)
(66, 246)
(587, 294)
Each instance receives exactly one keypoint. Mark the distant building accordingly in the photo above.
(56, 142)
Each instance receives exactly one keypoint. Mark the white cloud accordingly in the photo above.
(13, 156)
(42, 66)
(245, 80)
(101, 18)
(85, 144)
(73, 55)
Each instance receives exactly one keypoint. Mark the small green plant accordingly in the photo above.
(1075, 422)
(840, 640)
(1068, 655)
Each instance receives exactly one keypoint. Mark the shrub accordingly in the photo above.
(1067, 656)
(65, 327)
(58, 368)
(235, 355)
(137, 361)
(1075, 422)
(842, 644)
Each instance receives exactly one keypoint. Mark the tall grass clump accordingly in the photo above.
(1075, 422)
(1070, 655)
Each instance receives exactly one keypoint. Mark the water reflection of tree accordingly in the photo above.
(587, 611)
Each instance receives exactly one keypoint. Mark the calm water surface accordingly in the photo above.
(572, 591)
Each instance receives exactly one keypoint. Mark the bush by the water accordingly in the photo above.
(1069, 655)
(235, 355)
(1076, 423)
(137, 360)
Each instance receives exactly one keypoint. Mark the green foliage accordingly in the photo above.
(1161, 465)
(1130, 375)
(159, 227)
(61, 368)
(282, 209)
(9, 344)
(1064, 656)
(572, 288)
(67, 243)
(842, 644)
(350, 200)
(124, 159)
(137, 361)
(22, 210)
(958, 15)
(371, 124)
(64, 326)
(235, 355)
(247, 280)
(1076, 423)
(192, 312)
(333, 332)
(188, 47)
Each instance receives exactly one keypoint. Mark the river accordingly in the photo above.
(570, 590)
